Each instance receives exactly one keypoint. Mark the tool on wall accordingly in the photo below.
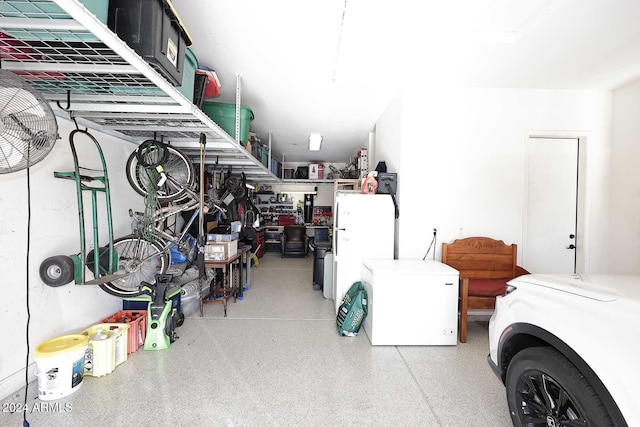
(29, 128)
(59, 270)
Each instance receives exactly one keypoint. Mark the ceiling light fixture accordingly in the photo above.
(315, 139)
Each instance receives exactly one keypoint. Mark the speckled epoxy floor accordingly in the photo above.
(277, 360)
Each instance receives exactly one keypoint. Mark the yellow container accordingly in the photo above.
(119, 333)
(60, 366)
(107, 348)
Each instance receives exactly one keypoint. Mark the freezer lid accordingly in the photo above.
(408, 266)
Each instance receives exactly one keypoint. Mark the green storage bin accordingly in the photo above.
(100, 8)
(224, 115)
(189, 75)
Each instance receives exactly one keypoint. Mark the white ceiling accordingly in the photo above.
(331, 66)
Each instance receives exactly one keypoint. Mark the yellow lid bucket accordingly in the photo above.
(61, 345)
(60, 365)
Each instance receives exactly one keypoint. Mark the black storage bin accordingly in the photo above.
(320, 250)
(200, 85)
(302, 172)
(153, 29)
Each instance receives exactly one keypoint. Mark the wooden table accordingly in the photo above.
(221, 294)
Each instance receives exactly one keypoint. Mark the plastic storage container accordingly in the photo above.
(191, 298)
(200, 85)
(100, 8)
(60, 366)
(137, 322)
(276, 166)
(153, 29)
(107, 348)
(187, 87)
(212, 88)
(224, 115)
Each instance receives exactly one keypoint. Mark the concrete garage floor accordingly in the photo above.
(277, 360)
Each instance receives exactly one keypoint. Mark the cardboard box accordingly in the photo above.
(220, 251)
(222, 237)
(313, 171)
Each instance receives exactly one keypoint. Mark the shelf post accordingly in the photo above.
(270, 154)
(238, 100)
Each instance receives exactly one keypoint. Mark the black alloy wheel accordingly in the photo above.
(545, 389)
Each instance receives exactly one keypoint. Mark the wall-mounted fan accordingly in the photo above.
(28, 127)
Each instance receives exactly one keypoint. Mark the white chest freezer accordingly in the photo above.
(411, 302)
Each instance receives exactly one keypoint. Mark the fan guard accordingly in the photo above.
(28, 127)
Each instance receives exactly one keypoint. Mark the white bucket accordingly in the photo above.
(60, 366)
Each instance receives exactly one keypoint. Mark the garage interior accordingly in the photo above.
(448, 97)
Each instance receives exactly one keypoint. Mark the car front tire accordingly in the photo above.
(545, 389)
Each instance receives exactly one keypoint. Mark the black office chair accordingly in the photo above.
(294, 241)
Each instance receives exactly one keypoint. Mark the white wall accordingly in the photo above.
(460, 161)
(54, 231)
(624, 234)
(388, 145)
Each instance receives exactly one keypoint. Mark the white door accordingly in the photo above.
(552, 205)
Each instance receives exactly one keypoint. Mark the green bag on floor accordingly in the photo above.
(352, 311)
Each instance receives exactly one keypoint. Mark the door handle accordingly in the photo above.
(571, 247)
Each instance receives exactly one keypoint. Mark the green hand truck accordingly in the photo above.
(61, 269)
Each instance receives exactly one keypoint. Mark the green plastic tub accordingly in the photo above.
(189, 75)
(100, 8)
(224, 115)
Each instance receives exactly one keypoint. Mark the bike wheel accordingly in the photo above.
(138, 261)
(176, 165)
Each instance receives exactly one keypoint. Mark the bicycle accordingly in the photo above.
(149, 155)
(145, 253)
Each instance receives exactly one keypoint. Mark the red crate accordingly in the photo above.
(137, 321)
(286, 220)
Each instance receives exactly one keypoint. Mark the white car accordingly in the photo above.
(567, 348)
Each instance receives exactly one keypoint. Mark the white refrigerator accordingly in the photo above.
(363, 228)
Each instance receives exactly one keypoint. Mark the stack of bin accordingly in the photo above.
(137, 321)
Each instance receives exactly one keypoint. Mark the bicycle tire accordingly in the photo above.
(177, 165)
(140, 261)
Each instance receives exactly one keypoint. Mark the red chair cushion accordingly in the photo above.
(487, 287)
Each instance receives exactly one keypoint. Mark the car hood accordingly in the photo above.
(601, 287)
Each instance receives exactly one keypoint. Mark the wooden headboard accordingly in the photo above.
(481, 258)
